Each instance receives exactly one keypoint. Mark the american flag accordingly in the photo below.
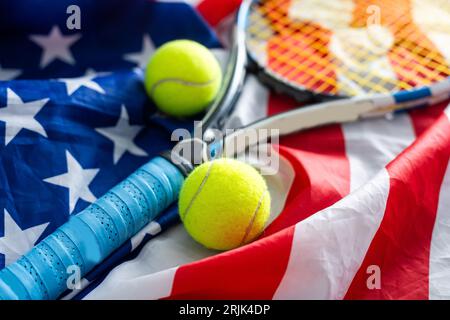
(361, 211)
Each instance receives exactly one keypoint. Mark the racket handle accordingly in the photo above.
(93, 234)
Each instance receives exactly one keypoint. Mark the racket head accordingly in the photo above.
(320, 50)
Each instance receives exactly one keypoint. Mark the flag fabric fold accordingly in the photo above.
(360, 211)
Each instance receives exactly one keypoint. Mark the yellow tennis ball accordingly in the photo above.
(224, 204)
(183, 78)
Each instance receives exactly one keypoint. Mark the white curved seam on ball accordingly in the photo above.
(202, 184)
(181, 81)
(252, 221)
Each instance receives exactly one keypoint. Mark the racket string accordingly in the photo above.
(396, 55)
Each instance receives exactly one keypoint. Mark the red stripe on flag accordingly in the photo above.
(322, 170)
(214, 11)
(425, 117)
(280, 103)
(250, 272)
(401, 246)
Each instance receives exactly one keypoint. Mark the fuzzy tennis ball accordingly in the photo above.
(224, 204)
(183, 78)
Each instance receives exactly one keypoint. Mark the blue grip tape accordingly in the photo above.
(89, 237)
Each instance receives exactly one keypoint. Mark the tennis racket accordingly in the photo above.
(375, 57)
(289, 51)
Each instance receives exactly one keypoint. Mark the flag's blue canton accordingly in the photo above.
(113, 33)
(65, 141)
(39, 168)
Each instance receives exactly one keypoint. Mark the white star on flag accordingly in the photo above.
(122, 136)
(55, 45)
(19, 115)
(73, 84)
(8, 74)
(15, 241)
(77, 180)
(141, 58)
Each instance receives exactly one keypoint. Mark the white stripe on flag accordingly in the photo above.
(148, 287)
(169, 249)
(370, 145)
(329, 247)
